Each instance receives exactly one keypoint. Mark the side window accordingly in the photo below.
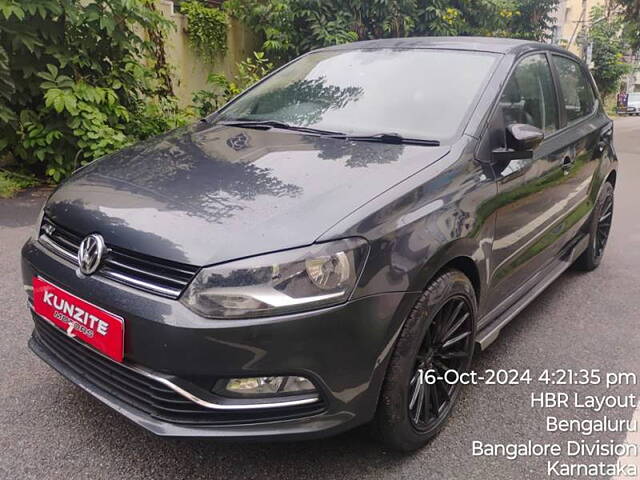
(529, 96)
(577, 93)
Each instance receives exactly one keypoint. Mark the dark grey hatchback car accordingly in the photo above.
(321, 251)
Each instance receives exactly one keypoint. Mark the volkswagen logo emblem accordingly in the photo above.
(238, 142)
(90, 253)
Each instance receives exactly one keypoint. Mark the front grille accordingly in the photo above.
(147, 395)
(151, 274)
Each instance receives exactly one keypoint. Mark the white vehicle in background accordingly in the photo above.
(633, 104)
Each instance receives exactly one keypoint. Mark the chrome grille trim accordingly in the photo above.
(66, 254)
(163, 278)
(168, 292)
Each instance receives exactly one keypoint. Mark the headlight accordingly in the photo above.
(284, 282)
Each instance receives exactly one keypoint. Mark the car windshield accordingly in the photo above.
(634, 97)
(415, 93)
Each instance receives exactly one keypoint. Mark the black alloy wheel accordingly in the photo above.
(437, 337)
(599, 230)
(604, 226)
(447, 346)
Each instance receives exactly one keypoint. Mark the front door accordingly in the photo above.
(532, 196)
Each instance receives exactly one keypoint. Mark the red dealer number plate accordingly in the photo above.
(102, 330)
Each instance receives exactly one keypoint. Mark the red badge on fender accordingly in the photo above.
(102, 330)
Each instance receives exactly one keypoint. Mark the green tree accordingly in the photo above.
(631, 13)
(292, 27)
(533, 20)
(84, 77)
(605, 34)
(7, 88)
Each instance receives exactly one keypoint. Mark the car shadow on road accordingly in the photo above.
(351, 453)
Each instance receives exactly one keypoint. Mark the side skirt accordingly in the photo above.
(505, 312)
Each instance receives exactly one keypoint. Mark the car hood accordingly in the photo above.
(210, 193)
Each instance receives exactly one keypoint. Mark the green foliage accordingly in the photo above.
(79, 87)
(7, 88)
(529, 19)
(608, 47)
(249, 72)
(207, 101)
(207, 29)
(276, 20)
(462, 17)
(253, 69)
(292, 27)
(11, 183)
(156, 116)
(631, 20)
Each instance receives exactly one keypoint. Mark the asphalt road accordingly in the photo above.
(50, 429)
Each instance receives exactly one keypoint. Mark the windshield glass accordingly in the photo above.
(423, 94)
(634, 97)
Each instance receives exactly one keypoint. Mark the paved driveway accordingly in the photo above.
(49, 429)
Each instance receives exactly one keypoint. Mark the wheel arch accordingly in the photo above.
(464, 255)
(467, 266)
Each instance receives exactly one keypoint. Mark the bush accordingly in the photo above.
(207, 29)
(291, 27)
(250, 71)
(10, 183)
(157, 116)
(79, 89)
(7, 89)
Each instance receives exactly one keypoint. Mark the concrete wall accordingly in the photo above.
(189, 70)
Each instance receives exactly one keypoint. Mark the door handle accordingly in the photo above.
(567, 163)
(601, 146)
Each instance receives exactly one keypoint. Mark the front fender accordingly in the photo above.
(442, 213)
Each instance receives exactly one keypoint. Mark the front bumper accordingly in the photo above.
(344, 350)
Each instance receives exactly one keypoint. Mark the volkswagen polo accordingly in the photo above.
(322, 251)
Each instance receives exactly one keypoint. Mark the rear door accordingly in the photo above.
(588, 130)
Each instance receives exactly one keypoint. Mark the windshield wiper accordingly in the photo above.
(267, 124)
(393, 138)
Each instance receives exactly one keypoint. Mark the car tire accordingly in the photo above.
(439, 333)
(599, 229)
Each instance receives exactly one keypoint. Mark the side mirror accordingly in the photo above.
(521, 137)
(522, 140)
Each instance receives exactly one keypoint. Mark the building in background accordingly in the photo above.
(570, 18)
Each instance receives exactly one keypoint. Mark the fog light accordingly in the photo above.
(268, 386)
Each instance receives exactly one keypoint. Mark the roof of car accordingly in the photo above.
(484, 44)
